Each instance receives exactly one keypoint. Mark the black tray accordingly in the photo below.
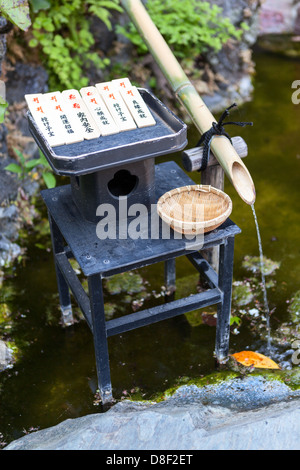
(167, 136)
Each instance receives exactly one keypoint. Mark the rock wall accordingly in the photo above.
(279, 17)
(233, 65)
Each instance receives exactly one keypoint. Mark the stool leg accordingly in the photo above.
(224, 308)
(100, 338)
(63, 288)
(170, 278)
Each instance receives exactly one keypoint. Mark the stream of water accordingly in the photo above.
(265, 296)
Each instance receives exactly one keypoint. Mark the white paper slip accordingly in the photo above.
(122, 83)
(118, 109)
(52, 98)
(138, 108)
(78, 110)
(45, 123)
(105, 87)
(68, 127)
(33, 99)
(98, 110)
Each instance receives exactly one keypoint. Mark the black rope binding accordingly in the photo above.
(217, 129)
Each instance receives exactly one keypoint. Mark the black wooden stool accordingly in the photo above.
(74, 237)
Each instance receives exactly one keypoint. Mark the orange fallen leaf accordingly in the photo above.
(257, 360)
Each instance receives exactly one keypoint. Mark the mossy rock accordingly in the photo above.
(129, 282)
(294, 307)
(242, 294)
(252, 264)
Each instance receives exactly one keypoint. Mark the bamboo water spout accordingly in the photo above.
(223, 150)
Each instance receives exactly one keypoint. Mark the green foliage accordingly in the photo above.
(190, 27)
(26, 167)
(38, 5)
(3, 107)
(62, 31)
(235, 321)
(17, 12)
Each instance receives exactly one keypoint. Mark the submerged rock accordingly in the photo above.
(8, 251)
(6, 356)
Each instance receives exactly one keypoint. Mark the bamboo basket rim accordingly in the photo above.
(196, 187)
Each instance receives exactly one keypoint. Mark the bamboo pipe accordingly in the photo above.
(223, 150)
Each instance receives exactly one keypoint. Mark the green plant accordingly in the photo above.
(16, 11)
(235, 320)
(190, 27)
(26, 167)
(62, 31)
(3, 107)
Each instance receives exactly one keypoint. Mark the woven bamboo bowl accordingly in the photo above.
(194, 209)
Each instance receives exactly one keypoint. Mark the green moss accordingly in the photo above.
(213, 379)
(292, 378)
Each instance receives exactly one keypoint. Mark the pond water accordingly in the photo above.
(54, 377)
